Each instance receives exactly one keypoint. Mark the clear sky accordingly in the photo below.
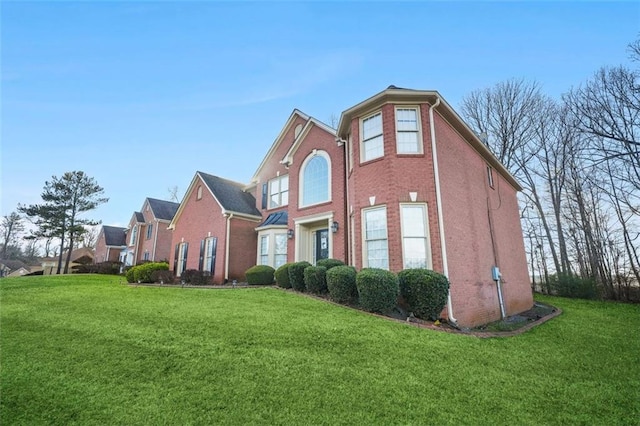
(141, 95)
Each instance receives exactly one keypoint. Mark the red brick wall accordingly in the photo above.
(390, 179)
(197, 220)
(101, 249)
(322, 141)
(164, 249)
(467, 201)
(243, 243)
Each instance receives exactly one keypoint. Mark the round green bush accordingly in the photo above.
(378, 289)
(142, 273)
(296, 275)
(315, 279)
(129, 274)
(329, 263)
(341, 282)
(425, 291)
(260, 275)
(282, 276)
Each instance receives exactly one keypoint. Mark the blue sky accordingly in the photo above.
(141, 95)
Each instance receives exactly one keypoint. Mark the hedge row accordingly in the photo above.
(143, 273)
(375, 290)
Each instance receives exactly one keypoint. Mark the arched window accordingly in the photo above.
(315, 179)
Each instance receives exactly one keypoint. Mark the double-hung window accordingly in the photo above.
(408, 131)
(279, 192)
(134, 232)
(415, 236)
(372, 141)
(272, 249)
(209, 254)
(375, 238)
(149, 231)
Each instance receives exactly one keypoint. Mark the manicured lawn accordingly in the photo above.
(89, 350)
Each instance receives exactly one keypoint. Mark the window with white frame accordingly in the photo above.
(134, 232)
(490, 175)
(315, 179)
(279, 192)
(264, 250)
(375, 238)
(149, 231)
(209, 254)
(181, 266)
(372, 142)
(145, 256)
(272, 248)
(408, 131)
(415, 236)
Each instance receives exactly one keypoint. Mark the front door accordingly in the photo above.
(321, 250)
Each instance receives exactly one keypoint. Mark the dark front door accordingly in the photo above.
(322, 244)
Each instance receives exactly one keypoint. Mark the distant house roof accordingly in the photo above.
(13, 265)
(276, 219)
(114, 236)
(230, 194)
(81, 255)
(163, 210)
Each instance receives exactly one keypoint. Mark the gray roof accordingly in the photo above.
(231, 194)
(114, 236)
(139, 217)
(164, 210)
(274, 219)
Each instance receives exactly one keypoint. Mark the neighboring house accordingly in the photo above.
(424, 191)
(214, 229)
(81, 256)
(148, 237)
(300, 189)
(111, 241)
(16, 268)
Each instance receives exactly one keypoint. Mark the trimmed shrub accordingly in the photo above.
(315, 279)
(142, 273)
(162, 276)
(282, 276)
(378, 289)
(196, 277)
(341, 282)
(329, 263)
(425, 292)
(128, 274)
(568, 285)
(296, 275)
(260, 275)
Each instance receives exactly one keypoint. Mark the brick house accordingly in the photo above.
(110, 243)
(214, 229)
(424, 191)
(402, 183)
(148, 237)
(301, 195)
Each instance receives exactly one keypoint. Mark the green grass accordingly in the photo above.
(89, 350)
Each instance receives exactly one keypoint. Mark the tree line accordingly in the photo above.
(578, 160)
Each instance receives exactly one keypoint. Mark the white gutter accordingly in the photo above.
(443, 245)
(226, 256)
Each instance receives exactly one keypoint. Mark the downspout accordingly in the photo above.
(226, 255)
(443, 245)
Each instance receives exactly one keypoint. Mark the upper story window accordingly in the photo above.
(279, 192)
(408, 131)
(372, 142)
(315, 179)
(199, 193)
(134, 232)
(149, 231)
